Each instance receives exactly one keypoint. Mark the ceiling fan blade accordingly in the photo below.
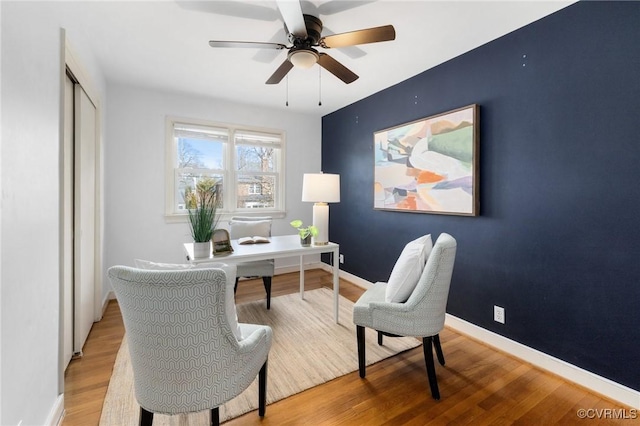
(354, 52)
(249, 44)
(369, 35)
(336, 68)
(282, 70)
(269, 55)
(291, 12)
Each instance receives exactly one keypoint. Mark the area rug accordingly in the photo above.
(308, 349)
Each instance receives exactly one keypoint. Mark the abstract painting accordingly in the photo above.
(429, 165)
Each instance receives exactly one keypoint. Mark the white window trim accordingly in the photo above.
(170, 160)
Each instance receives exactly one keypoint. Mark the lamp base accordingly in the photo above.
(321, 222)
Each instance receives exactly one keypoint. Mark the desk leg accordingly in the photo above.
(301, 277)
(336, 283)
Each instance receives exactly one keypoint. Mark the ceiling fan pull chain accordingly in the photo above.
(287, 103)
(319, 86)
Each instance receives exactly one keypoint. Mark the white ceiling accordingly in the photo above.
(164, 44)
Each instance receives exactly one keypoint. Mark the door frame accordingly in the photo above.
(69, 60)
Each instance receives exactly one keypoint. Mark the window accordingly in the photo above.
(246, 163)
(255, 189)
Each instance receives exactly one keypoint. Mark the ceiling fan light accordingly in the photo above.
(303, 58)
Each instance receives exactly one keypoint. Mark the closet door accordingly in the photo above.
(67, 225)
(84, 216)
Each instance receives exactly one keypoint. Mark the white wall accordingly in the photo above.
(30, 176)
(134, 223)
(135, 226)
(30, 149)
(0, 218)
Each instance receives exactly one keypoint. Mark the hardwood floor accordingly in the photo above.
(478, 384)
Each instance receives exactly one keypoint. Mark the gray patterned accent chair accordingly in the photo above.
(184, 355)
(422, 315)
(245, 226)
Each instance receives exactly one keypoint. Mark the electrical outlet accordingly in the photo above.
(341, 258)
(498, 314)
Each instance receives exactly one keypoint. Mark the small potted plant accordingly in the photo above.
(305, 232)
(203, 205)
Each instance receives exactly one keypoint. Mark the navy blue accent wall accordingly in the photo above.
(557, 242)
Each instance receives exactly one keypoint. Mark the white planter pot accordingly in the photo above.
(202, 250)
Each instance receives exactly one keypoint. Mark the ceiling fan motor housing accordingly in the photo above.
(314, 28)
(302, 54)
(314, 33)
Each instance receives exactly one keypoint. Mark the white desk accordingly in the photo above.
(279, 247)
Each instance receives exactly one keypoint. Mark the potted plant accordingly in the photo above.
(203, 206)
(305, 232)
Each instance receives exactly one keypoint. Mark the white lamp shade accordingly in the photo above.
(321, 187)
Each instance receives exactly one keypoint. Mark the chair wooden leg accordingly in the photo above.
(436, 344)
(361, 354)
(431, 368)
(267, 287)
(236, 286)
(146, 417)
(379, 338)
(215, 417)
(262, 390)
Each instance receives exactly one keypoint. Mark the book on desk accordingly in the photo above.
(253, 240)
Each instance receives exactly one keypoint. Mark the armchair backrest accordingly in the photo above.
(432, 291)
(244, 226)
(184, 355)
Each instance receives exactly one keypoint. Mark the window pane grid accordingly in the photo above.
(248, 162)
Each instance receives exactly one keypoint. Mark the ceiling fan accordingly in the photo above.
(304, 32)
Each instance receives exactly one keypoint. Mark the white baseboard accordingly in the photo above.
(346, 276)
(110, 296)
(57, 412)
(570, 372)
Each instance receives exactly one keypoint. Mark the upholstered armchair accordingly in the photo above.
(240, 227)
(185, 354)
(421, 315)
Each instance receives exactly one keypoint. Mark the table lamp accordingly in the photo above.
(321, 188)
